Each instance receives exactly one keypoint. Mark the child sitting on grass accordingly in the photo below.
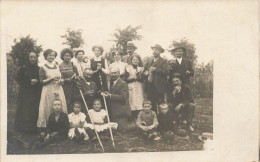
(77, 120)
(147, 122)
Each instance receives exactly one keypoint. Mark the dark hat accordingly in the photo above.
(131, 44)
(179, 47)
(158, 47)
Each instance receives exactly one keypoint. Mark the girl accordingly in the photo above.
(50, 77)
(68, 71)
(29, 95)
(118, 63)
(77, 120)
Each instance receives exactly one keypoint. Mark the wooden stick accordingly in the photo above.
(110, 130)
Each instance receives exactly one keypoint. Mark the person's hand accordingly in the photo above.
(140, 69)
(144, 128)
(151, 69)
(172, 61)
(177, 88)
(47, 137)
(34, 81)
(56, 78)
(106, 94)
(150, 127)
(53, 133)
(90, 93)
(60, 81)
(67, 80)
(178, 107)
(146, 72)
(187, 72)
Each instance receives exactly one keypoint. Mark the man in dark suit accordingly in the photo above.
(157, 70)
(130, 47)
(119, 101)
(181, 98)
(181, 65)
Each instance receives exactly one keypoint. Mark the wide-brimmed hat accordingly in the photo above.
(178, 47)
(131, 44)
(158, 47)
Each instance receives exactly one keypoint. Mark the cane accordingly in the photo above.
(110, 130)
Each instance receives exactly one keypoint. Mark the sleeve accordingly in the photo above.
(42, 74)
(123, 94)
(82, 117)
(164, 69)
(105, 70)
(21, 79)
(190, 68)
(139, 120)
(155, 120)
(188, 98)
(64, 126)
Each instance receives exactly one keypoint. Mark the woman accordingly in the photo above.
(50, 77)
(29, 95)
(100, 68)
(82, 63)
(118, 63)
(68, 71)
(134, 78)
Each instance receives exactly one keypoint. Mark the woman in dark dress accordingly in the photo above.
(29, 95)
(68, 70)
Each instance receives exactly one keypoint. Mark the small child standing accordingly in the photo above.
(77, 120)
(99, 117)
(147, 122)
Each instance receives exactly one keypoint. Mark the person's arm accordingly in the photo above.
(188, 98)
(163, 70)
(139, 121)
(155, 121)
(105, 70)
(123, 94)
(49, 125)
(190, 68)
(22, 81)
(43, 77)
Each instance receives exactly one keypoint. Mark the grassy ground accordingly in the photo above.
(129, 142)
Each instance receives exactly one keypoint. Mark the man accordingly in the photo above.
(119, 101)
(181, 65)
(130, 47)
(157, 70)
(180, 97)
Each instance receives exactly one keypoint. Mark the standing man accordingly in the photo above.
(157, 70)
(130, 51)
(181, 65)
(119, 101)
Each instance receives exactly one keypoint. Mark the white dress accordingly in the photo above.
(98, 117)
(119, 64)
(75, 121)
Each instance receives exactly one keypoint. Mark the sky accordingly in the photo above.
(161, 23)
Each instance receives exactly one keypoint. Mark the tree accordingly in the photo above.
(22, 47)
(73, 38)
(125, 35)
(190, 49)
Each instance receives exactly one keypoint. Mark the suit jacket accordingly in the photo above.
(159, 74)
(119, 101)
(182, 68)
(61, 126)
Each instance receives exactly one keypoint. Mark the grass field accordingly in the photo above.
(129, 142)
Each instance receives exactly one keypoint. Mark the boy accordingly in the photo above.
(147, 122)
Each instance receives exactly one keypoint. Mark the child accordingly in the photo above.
(99, 117)
(166, 122)
(147, 122)
(77, 121)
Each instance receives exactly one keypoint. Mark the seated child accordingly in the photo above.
(167, 122)
(99, 117)
(147, 122)
(77, 121)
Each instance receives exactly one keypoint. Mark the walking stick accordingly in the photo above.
(110, 130)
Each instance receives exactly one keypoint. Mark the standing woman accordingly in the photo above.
(68, 71)
(81, 63)
(50, 77)
(100, 68)
(29, 95)
(134, 78)
(118, 54)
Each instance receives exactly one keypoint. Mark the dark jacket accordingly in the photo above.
(166, 121)
(159, 74)
(61, 126)
(182, 68)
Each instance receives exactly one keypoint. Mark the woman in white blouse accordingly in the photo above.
(118, 63)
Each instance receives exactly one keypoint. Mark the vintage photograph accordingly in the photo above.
(107, 77)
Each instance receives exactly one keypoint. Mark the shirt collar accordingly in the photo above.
(179, 59)
(116, 80)
(98, 58)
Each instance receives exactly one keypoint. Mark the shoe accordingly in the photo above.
(190, 128)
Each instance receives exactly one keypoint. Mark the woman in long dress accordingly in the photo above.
(134, 78)
(50, 77)
(29, 95)
(68, 71)
(118, 63)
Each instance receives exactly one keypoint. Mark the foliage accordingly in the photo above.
(73, 38)
(190, 49)
(22, 47)
(122, 36)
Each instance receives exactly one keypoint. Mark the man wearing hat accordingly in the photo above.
(181, 98)
(181, 65)
(130, 47)
(157, 70)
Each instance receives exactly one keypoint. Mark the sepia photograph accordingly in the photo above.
(98, 77)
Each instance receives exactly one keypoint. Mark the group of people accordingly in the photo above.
(153, 98)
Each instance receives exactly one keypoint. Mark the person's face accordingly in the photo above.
(97, 106)
(176, 81)
(147, 107)
(135, 61)
(156, 52)
(76, 108)
(80, 56)
(164, 110)
(117, 56)
(56, 106)
(67, 57)
(88, 75)
(130, 50)
(178, 53)
(50, 57)
(97, 52)
(32, 58)
(114, 73)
